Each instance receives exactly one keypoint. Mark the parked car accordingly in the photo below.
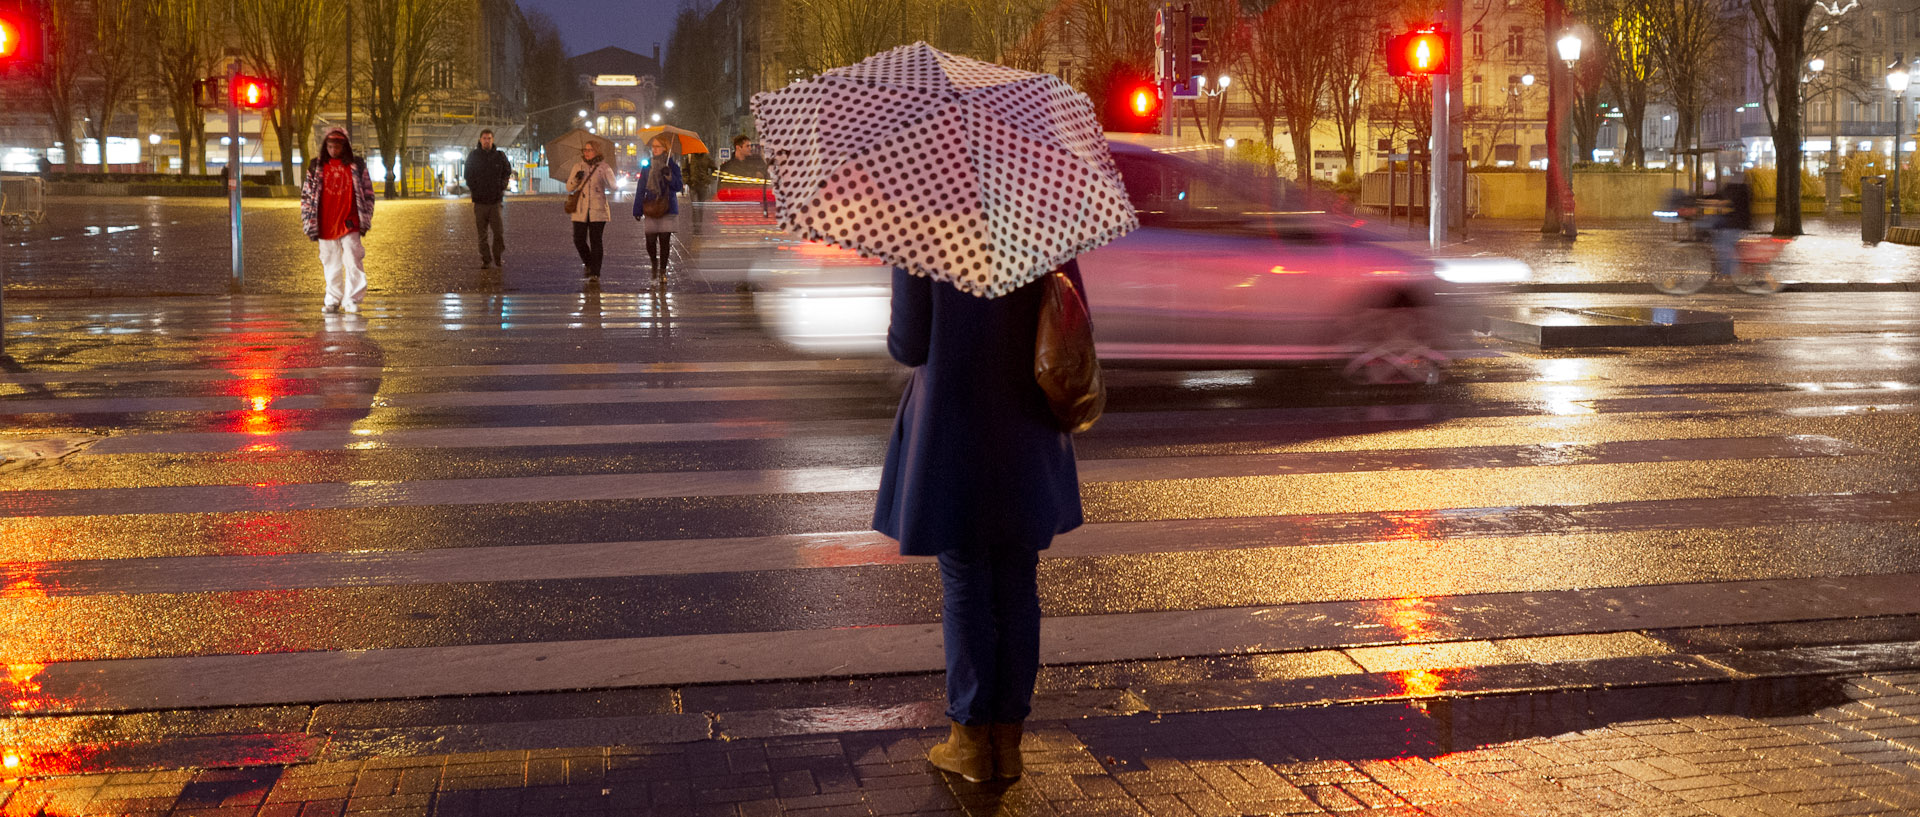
(1227, 270)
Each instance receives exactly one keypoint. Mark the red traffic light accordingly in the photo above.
(1133, 106)
(1143, 102)
(250, 92)
(19, 36)
(1418, 54)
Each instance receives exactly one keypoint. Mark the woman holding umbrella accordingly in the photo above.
(979, 471)
(658, 203)
(591, 181)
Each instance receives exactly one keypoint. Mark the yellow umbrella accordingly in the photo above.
(688, 141)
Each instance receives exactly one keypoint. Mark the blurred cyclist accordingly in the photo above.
(1734, 204)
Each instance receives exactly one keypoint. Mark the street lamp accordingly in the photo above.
(1560, 93)
(153, 147)
(656, 117)
(1897, 83)
(1569, 47)
(669, 104)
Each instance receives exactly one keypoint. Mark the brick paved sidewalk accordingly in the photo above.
(1777, 747)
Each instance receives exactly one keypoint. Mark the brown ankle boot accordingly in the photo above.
(967, 753)
(1005, 738)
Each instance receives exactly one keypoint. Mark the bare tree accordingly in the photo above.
(58, 77)
(551, 87)
(1116, 39)
(116, 53)
(1622, 32)
(1687, 40)
(183, 33)
(1014, 33)
(409, 43)
(1782, 28)
(297, 42)
(1354, 67)
(1822, 33)
(1289, 71)
(696, 73)
(825, 34)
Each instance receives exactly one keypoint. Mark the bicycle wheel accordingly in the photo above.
(1756, 279)
(1681, 283)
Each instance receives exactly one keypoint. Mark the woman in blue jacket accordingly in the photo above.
(662, 180)
(979, 474)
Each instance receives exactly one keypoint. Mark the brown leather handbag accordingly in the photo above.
(1064, 361)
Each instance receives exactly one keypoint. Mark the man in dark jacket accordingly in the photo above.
(743, 176)
(488, 172)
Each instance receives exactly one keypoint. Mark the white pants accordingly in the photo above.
(346, 277)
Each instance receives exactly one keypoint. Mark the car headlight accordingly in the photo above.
(1481, 270)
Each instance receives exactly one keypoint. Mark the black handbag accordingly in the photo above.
(1064, 360)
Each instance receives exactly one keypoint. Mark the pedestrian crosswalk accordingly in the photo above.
(235, 503)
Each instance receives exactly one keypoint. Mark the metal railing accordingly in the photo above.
(23, 200)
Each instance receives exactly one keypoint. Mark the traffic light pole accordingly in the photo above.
(233, 176)
(1439, 162)
(1168, 55)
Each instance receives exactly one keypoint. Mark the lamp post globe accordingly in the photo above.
(1569, 47)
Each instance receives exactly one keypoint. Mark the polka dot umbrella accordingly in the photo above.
(972, 173)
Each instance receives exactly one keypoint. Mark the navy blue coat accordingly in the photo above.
(671, 187)
(976, 459)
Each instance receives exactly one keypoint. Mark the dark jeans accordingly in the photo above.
(659, 249)
(486, 217)
(586, 239)
(990, 622)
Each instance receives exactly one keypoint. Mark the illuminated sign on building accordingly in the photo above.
(616, 79)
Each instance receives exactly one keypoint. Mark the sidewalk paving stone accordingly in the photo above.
(1374, 759)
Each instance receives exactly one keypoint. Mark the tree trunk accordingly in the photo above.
(1302, 153)
(285, 137)
(1633, 110)
(388, 152)
(1788, 56)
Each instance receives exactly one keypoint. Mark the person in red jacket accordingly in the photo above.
(336, 209)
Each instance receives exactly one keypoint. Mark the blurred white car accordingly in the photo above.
(1225, 271)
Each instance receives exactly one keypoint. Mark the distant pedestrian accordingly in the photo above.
(744, 175)
(488, 173)
(336, 209)
(46, 167)
(660, 183)
(592, 179)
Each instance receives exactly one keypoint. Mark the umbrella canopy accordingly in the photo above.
(685, 141)
(563, 153)
(972, 173)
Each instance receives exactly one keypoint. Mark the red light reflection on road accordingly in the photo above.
(1412, 619)
(849, 554)
(21, 684)
(1412, 526)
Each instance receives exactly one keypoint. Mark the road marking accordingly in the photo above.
(670, 661)
(1288, 483)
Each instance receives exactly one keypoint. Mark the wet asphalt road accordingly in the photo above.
(213, 502)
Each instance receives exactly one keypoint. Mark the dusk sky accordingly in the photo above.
(587, 25)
